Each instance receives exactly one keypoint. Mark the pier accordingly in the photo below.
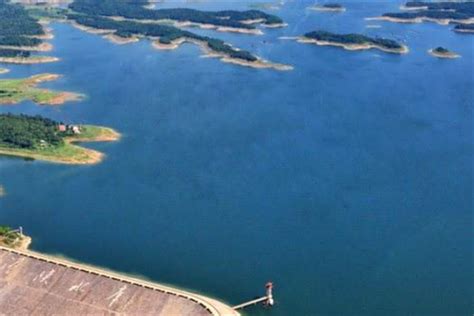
(266, 300)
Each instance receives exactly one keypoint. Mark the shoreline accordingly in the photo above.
(29, 60)
(274, 26)
(43, 47)
(353, 47)
(121, 40)
(324, 9)
(463, 30)
(449, 55)
(81, 155)
(259, 63)
(91, 30)
(49, 262)
(190, 24)
(56, 98)
(420, 19)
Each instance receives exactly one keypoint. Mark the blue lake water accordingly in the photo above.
(347, 181)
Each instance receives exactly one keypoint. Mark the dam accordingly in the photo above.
(37, 284)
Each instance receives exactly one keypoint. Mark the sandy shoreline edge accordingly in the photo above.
(109, 35)
(420, 19)
(84, 156)
(449, 55)
(259, 64)
(43, 47)
(325, 9)
(60, 97)
(353, 47)
(185, 24)
(28, 60)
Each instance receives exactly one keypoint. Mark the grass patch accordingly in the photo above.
(13, 91)
(69, 152)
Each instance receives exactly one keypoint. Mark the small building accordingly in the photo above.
(76, 129)
(62, 128)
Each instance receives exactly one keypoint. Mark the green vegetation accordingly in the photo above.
(40, 138)
(332, 6)
(353, 39)
(19, 41)
(135, 10)
(469, 28)
(441, 50)
(17, 90)
(166, 33)
(28, 132)
(16, 28)
(47, 12)
(436, 10)
(14, 53)
(9, 237)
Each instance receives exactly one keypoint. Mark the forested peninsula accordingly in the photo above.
(136, 10)
(36, 137)
(353, 42)
(124, 22)
(128, 21)
(439, 12)
(20, 34)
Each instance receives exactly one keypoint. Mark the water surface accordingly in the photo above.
(347, 181)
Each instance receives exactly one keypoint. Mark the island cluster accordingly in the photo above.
(460, 14)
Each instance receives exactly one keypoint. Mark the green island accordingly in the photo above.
(20, 34)
(132, 10)
(353, 42)
(123, 22)
(442, 52)
(440, 12)
(464, 28)
(35, 137)
(329, 7)
(13, 91)
(13, 238)
(2, 191)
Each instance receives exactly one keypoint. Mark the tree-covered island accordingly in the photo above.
(440, 12)
(353, 42)
(125, 21)
(20, 34)
(136, 11)
(329, 7)
(442, 52)
(13, 91)
(35, 137)
(464, 28)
